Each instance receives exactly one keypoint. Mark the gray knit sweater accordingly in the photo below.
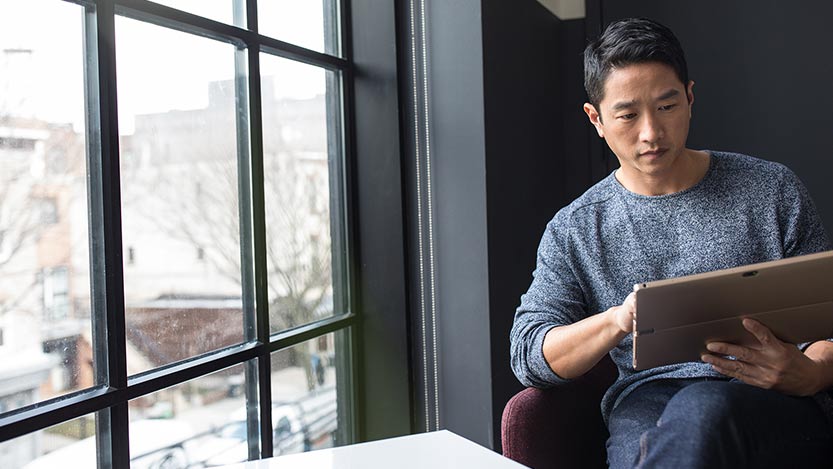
(745, 210)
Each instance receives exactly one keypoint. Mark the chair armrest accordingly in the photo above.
(561, 426)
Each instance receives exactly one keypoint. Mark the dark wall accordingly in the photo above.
(379, 273)
(458, 172)
(536, 139)
(509, 148)
(762, 73)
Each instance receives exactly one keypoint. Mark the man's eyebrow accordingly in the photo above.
(668, 94)
(623, 105)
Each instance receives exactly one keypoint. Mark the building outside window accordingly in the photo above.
(114, 112)
(55, 293)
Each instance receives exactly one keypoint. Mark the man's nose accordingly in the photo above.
(650, 129)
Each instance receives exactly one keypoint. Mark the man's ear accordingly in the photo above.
(690, 95)
(595, 118)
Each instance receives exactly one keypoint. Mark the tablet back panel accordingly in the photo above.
(677, 317)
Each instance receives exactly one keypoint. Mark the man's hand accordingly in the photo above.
(574, 349)
(625, 313)
(769, 364)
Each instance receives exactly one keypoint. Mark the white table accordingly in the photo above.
(434, 450)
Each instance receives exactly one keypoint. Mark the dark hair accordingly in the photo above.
(626, 42)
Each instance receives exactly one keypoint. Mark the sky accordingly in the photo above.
(41, 64)
(41, 58)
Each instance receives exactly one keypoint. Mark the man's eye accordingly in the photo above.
(627, 117)
(667, 107)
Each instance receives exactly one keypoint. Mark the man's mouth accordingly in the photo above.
(654, 153)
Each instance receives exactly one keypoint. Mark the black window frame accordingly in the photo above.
(374, 345)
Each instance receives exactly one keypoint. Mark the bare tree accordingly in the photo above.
(298, 244)
(19, 228)
(18, 219)
(197, 203)
(27, 201)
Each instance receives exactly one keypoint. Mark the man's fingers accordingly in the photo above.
(731, 368)
(630, 302)
(761, 332)
(737, 351)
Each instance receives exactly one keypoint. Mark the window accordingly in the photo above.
(43, 205)
(48, 211)
(56, 293)
(21, 144)
(195, 133)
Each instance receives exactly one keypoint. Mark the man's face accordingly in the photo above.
(644, 118)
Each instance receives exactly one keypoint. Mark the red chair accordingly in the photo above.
(559, 427)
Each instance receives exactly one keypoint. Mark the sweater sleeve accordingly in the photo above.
(554, 299)
(802, 231)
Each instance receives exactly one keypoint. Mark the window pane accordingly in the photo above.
(308, 382)
(200, 423)
(68, 444)
(45, 343)
(217, 10)
(179, 194)
(301, 163)
(308, 23)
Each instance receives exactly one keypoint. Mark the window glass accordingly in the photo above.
(308, 382)
(55, 292)
(301, 163)
(180, 214)
(310, 24)
(182, 135)
(69, 444)
(44, 254)
(199, 423)
(217, 10)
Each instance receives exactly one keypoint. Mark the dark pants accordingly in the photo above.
(689, 423)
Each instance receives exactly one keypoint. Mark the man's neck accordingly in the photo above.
(686, 173)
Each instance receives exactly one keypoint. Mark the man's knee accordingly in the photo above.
(699, 428)
(708, 404)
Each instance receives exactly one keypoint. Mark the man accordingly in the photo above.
(669, 211)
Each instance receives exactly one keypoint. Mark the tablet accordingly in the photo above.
(677, 317)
